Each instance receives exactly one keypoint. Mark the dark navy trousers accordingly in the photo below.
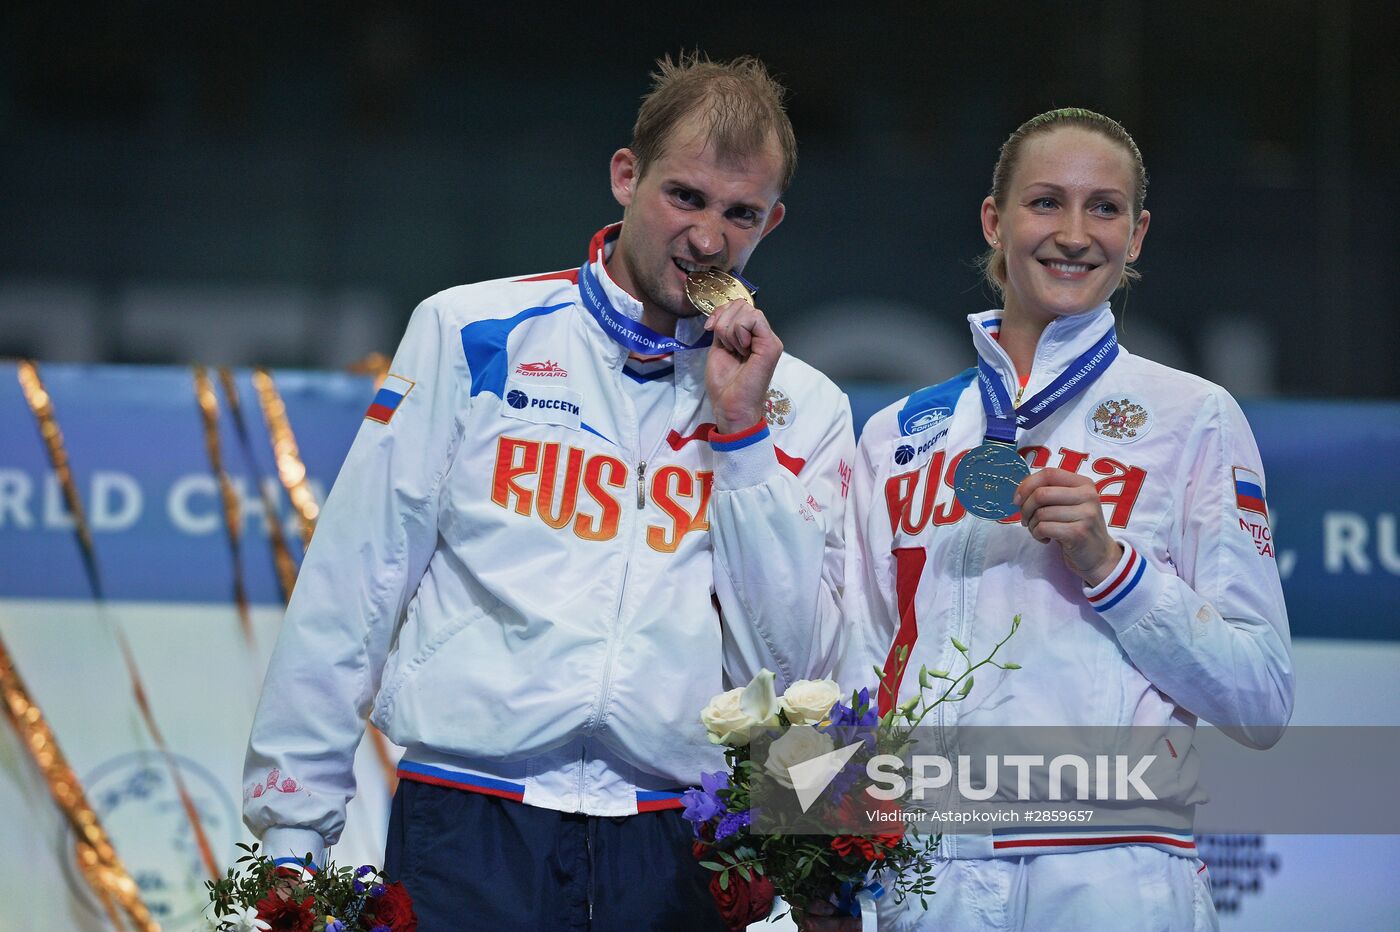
(473, 861)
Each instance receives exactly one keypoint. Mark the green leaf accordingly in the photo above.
(747, 874)
(923, 677)
(903, 652)
(961, 647)
(966, 687)
(938, 674)
(724, 880)
(711, 865)
(1011, 666)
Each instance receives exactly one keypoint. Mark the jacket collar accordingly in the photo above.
(1060, 343)
(600, 248)
(690, 366)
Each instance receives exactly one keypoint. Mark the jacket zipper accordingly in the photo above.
(605, 686)
(959, 619)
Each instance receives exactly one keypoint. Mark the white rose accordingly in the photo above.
(801, 743)
(809, 701)
(731, 717)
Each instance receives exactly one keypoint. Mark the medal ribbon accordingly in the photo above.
(1004, 418)
(633, 334)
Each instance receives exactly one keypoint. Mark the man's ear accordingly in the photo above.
(624, 172)
(775, 217)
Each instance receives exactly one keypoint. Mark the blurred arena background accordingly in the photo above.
(273, 184)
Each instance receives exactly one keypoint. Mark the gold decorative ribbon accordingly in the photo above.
(376, 364)
(233, 510)
(42, 406)
(290, 469)
(97, 858)
(281, 557)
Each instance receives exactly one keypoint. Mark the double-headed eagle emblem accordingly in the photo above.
(1119, 419)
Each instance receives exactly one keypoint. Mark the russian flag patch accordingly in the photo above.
(1249, 491)
(391, 394)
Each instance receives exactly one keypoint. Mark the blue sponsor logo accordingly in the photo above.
(517, 399)
(920, 420)
(553, 404)
(903, 453)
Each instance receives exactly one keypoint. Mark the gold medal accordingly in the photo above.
(710, 288)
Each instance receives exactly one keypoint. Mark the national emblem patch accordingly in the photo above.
(1119, 420)
(778, 409)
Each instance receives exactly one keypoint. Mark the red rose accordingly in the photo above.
(744, 901)
(845, 844)
(393, 908)
(286, 915)
(890, 840)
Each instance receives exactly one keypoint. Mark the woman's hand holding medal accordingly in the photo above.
(1064, 507)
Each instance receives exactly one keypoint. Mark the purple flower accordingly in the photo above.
(335, 925)
(363, 870)
(732, 823)
(377, 890)
(702, 805)
(855, 722)
(845, 716)
(381, 929)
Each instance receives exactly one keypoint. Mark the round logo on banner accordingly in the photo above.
(139, 807)
(1119, 419)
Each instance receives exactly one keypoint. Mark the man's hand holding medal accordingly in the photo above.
(740, 364)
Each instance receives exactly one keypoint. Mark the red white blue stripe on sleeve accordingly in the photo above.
(387, 400)
(728, 443)
(298, 863)
(1120, 581)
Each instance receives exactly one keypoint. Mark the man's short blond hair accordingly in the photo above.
(740, 103)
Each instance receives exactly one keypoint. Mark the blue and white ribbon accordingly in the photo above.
(1004, 417)
(633, 334)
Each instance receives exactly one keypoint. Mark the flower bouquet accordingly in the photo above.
(793, 815)
(263, 896)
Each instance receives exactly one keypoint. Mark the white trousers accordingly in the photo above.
(1130, 888)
